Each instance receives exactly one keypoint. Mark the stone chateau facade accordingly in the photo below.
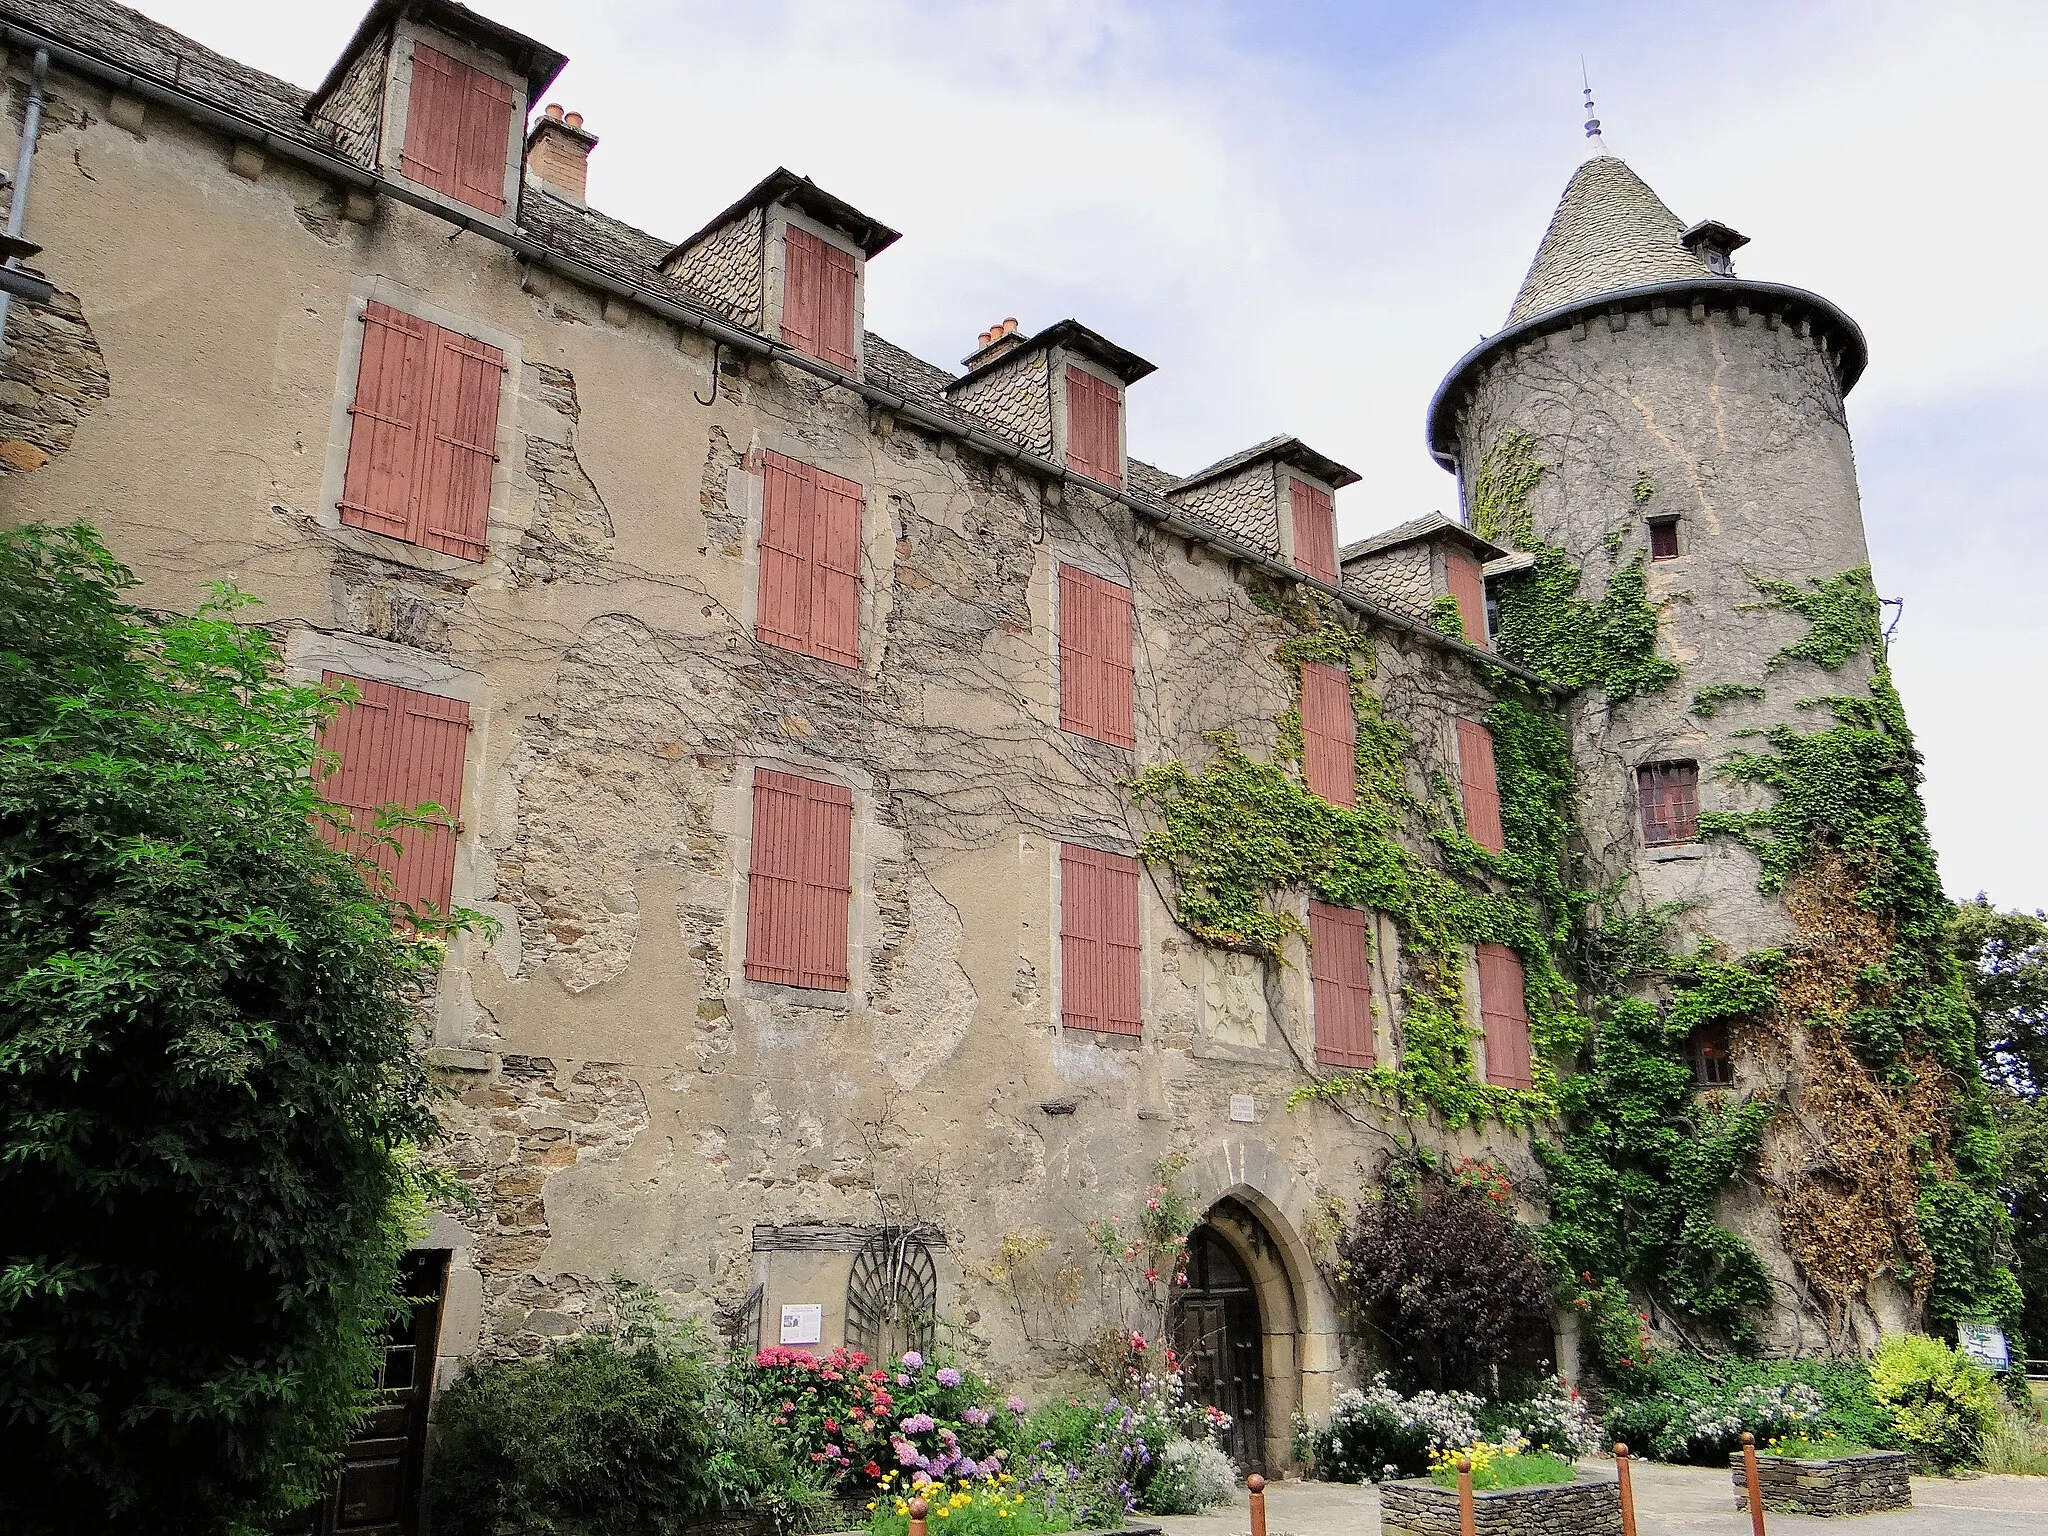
(783, 688)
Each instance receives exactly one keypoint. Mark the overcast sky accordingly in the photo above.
(1305, 213)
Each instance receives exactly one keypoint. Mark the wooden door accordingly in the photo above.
(1221, 1344)
(378, 1490)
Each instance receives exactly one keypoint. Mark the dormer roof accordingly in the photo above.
(538, 62)
(1610, 232)
(806, 196)
(1286, 450)
(1433, 525)
(1126, 366)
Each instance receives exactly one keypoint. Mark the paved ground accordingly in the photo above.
(1670, 1501)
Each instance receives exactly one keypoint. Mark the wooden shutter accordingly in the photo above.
(1099, 950)
(423, 434)
(1329, 733)
(1095, 658)
(799, 882)
(809, 597)
(817, 297)
(1315, 531)
(1094, 427)
(458, 130)
(1481, 786)
(400, 747)
(1504, 1015)
(1670, 797)
(1340, 968)
(1462, 575)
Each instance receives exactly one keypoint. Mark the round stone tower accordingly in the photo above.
(1674, 414)
(1676, 436)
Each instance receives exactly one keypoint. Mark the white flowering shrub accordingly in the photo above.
(1703, 1431)
(1189, 1477)
(1556, 1419)
(1376, 1433)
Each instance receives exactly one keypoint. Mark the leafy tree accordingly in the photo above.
(208, 1081)
(2004, 959)
(1448, 1281)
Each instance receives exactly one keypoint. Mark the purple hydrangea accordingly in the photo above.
(948, 1377)
(913, 1361)
(918, 1424)
(966, 1467)
(906, 1454)
(1016, 1405)
(975, 1416)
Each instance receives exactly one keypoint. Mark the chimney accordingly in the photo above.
(558, 153)
(1715, 244)
(999, 340)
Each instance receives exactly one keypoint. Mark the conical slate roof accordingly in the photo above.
(1610, 231)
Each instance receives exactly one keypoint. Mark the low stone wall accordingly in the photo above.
(1845, 1485)
(1588, 1507)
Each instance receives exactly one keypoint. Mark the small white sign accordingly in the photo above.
(1985, 1344)
(803, 1324)
(1244, 1108)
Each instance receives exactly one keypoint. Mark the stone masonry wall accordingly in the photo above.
(52, 376)
(1847, 1485)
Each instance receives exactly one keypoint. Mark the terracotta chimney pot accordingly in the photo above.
(554, 111)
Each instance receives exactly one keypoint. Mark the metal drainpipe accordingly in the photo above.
(31, 126)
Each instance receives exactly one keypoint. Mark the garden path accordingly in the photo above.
(1670, 1501)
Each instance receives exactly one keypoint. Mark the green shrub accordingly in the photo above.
(1942, 1403)
(1691, 1409)
(607, 1434)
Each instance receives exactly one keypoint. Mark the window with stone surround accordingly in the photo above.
(817, 298)
(1340, 975)
(1479, 785)
(1095, 658)
(1099, 946)
(423, 434)
(809, 598)
(397, 746)
(800, 882)
(1504, 1016)
(1664, 538)
(1669, 794)
(1329, 733)
(458, 130)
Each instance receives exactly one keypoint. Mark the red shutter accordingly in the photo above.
(392, 386)
(404, 748)
(1504, 1014)
(1094, 427)
(1468, 586)
(1095, 658)
(1329, 733)
(1481, 786)
(799, 882)
(458, 130)
(1341, 970)
(1099, 950)
(1315, 531)
(1670, 796)
(423, 434)
(809, 597)
(817, 297)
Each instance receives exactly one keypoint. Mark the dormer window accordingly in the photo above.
(1095, 427)
(1315, 530)
(818, 282)
(458, 130)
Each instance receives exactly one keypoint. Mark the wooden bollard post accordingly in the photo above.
(1628, 1490)
(1467, 1521)
(918, 1510)
(1756, 1495)
(1255, 1485)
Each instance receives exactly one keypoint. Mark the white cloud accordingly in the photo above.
(1305, 214)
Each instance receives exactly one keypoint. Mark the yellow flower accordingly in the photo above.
(945, 1514)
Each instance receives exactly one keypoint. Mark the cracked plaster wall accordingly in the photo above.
(624, 1100)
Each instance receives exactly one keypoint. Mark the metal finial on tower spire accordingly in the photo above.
(1592, 122)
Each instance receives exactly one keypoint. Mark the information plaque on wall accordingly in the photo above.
(1985, 1344)
(803, 1324)
(1244, 1108)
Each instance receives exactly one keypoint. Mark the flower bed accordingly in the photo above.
(1583, 1507)
(1859, 1484)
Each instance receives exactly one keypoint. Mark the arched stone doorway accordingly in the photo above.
(1257, 1209)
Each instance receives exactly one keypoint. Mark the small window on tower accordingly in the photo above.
(1664, 539)
(1713, 1065)
(1670, 797)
